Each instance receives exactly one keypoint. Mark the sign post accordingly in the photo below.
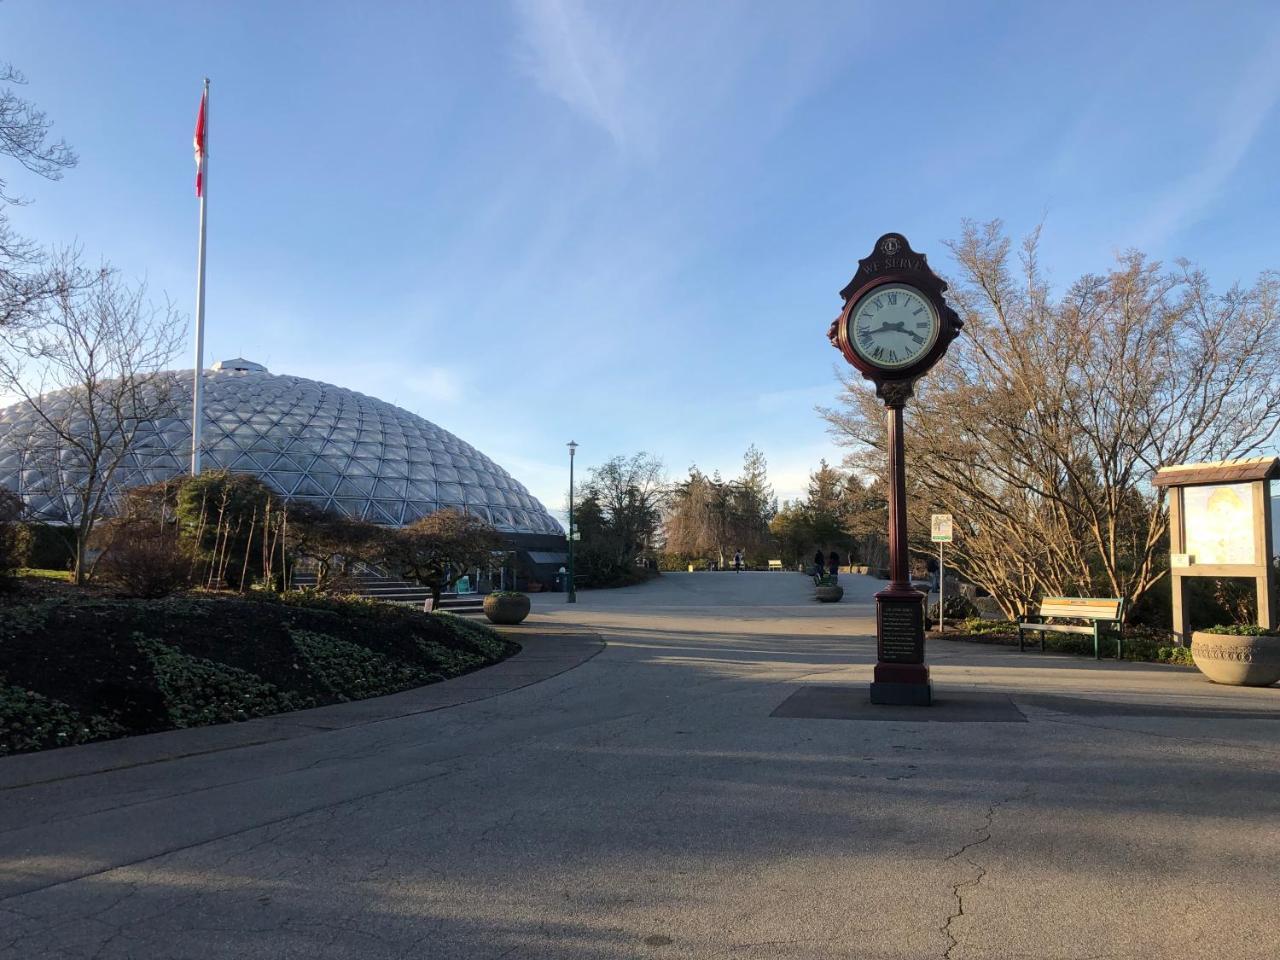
(1220, 526)
(941, 533)
(895, 326)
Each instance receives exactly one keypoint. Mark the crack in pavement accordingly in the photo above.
(974, 881)
(971, 882)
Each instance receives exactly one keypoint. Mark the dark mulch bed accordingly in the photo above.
(78, 666)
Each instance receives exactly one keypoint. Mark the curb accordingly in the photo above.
(541, 657)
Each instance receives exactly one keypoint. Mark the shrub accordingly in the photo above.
(10, 510)
(958, 607)
(226, 517)
(337, 584)
(1180, 655)
(147, 562)
(485, 638)
(352, 672)
(45, 546)
(198, 691)
(30, 721)
(1241, 630)
(977, 626)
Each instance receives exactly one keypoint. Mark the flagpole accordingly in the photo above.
(197, 390)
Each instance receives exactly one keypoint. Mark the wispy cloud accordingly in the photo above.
(1245, 109)
(573, 57)
(424, 390)
(661, 77)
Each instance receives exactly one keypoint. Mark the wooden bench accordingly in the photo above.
(1105, 614)
(775, 564)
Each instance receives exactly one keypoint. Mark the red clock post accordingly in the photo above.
(895, 326)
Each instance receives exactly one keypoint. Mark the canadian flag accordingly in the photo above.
(200, 145)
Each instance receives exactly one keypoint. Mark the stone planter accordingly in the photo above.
(829, 593)
(506, 608)
(1237, 660)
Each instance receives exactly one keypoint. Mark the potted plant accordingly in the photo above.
(506, 607)
(828, 590)
(1238, 654)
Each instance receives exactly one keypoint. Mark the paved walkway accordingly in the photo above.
(645, 803)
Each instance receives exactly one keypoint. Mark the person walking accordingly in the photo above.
(737, 561)
(834, 562)
(818, 570)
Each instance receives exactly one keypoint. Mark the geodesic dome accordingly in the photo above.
(311, 442)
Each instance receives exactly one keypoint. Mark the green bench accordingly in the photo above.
(1103, 613)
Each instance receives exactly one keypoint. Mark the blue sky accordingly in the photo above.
(627, 223)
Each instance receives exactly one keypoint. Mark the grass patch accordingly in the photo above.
(76, 667)
(35, 573)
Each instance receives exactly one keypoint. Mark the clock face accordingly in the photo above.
(893, 325)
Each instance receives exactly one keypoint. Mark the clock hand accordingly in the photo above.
(898, 326)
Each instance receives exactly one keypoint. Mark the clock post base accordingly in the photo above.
(902, 694)
(902, 684)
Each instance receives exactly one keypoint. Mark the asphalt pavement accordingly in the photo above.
(680, 769)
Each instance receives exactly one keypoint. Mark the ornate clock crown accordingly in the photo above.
(892, 260)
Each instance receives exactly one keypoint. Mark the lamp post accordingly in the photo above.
(573, 593)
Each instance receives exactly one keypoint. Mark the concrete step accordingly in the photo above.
(464, 608)
(406, 593)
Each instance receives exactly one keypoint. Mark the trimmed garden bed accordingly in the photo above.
(1140, 643)
(76, 667)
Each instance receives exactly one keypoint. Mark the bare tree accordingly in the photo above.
(333, 543)
(706, 516)
(438, 549)
(89, 371)
(629, 492)
(1042, 429)
(696, 522)
(26, 279)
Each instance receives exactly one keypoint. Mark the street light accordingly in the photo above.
(573, 594)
